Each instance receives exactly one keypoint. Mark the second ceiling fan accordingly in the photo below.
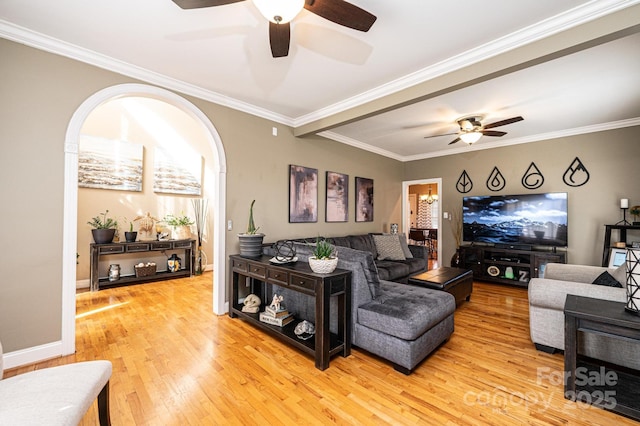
(281, 12)
(472, 129)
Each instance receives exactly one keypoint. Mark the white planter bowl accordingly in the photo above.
(323, 266)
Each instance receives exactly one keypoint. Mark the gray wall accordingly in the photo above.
(611, 157)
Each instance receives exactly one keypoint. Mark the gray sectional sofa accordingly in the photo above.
(388, 270)
(398, 322)
(546, 311)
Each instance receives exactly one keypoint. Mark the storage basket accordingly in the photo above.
(145, 271)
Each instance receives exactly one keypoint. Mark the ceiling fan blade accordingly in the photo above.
(454, 141)
(279, 36)
(342, 13)
(493, 133)
(197, 4)
(444, 134)
(503, 122)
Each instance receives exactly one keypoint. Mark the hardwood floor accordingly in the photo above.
(177, 363)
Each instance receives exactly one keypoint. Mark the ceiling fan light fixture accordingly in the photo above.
(279, 11)
(470, 137)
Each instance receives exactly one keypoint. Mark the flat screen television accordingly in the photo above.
(527, 219)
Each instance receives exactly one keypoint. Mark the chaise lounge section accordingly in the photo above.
(400, 323)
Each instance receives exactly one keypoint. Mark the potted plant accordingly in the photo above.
(251, 241)
(130, 235)
(104, 228)
(180, 226)
(635, 212)
(324, 259)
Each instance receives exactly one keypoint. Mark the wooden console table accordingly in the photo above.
(261, 275)
(98, 250)
(613, 391)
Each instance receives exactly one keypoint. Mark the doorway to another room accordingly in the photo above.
(422, 216)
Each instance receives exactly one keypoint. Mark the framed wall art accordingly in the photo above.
(364, 199)
(177, 171)
(303, 194)
(337, 205)
(109, 164)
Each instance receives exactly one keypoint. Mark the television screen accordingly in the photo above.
(532, 219)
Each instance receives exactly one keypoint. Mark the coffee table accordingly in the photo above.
(455, 281)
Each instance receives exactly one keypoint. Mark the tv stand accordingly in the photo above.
(508, 266)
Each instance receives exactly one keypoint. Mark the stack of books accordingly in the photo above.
(279, 317)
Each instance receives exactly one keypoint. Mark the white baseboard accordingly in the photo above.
(32, 355)
(83, 284)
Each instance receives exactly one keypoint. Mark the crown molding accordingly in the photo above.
(41, 41)
(546, 28)
(480, 147)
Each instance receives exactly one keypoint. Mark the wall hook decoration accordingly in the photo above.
(496, 181)
(532, 178)
(464, 183)
(576, 174)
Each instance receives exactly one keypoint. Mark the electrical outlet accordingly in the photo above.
(229, 225)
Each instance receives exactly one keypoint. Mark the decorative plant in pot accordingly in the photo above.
(324, 259)
(130, 235)
(180, 226)
(104, 228)
(251, 241)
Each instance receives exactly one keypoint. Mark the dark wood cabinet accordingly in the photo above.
(507, 266)
(260, 275)
(98, 250)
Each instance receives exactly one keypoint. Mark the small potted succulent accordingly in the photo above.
(104, 228)
(130, 235)
(324, 259)
(180, 226)
(251, 241)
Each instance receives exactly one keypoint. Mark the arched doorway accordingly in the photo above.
(217, 204)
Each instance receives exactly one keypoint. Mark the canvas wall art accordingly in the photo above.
(177, 171)
(109, 164)
(364, 200)
(337, 205)
(303, 194)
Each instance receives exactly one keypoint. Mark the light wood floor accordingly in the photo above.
(176, 363)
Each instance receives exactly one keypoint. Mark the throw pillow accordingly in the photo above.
(405, 246)
(606, 279)
(620, 274)
(388, 247)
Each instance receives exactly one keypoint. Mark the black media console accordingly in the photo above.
(508, 265)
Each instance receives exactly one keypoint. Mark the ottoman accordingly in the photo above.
(455, 281)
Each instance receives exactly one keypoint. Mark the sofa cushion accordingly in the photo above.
(390, 270)
(606, 279)
(364, 243)
(406, 311)
(388, 247)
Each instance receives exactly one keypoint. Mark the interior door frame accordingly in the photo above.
(406, 212)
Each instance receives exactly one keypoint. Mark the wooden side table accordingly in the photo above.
(603, 317)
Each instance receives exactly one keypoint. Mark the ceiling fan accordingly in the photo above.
(281, 12)
(471, 129)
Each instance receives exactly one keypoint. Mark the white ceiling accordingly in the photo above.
(222, 54)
